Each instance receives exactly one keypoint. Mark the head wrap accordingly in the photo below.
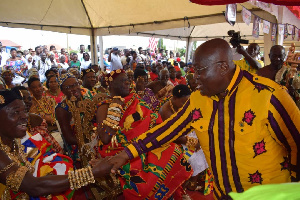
(85, 71)
(64, 77)
(8, 96)
(72, 69)
(112, 75)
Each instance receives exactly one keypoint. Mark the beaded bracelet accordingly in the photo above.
(113, 122)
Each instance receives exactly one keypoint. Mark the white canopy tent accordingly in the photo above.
(100, 18)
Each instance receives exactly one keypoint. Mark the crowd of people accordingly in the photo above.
(213, 126)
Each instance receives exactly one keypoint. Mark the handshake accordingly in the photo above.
(105, 166)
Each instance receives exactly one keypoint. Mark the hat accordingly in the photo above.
(85, 71)
(64, 77)
(8, 96)
(115, 49)
(112, 75)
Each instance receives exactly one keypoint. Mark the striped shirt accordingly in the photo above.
(249, 137)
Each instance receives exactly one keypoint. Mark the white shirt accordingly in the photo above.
(64, 65)
(85, 64)
(4, 56)
(80, 56)
(115, 62)
(43, 67)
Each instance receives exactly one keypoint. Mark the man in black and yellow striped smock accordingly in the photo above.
(248, 126)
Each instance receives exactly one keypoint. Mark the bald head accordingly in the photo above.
(214, 50)
(277, 55)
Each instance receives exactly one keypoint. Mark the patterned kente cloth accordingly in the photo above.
(46, 162)
(154, 175)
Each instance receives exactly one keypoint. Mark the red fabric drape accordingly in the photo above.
(223, 2)
(295, 10)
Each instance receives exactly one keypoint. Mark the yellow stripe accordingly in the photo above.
(133, 150)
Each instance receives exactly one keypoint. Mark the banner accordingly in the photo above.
(256, 23)
(293, 33)
(266, 27)
(280, 29)
(290, 29)
(246, 16)
(286, 34)
(274, 32)
(230, 13)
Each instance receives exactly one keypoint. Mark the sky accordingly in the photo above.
(28, 38)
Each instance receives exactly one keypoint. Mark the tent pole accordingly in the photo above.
(267, 46)
(279, 38)
(188, 51)
(100, 40)
(93, 40)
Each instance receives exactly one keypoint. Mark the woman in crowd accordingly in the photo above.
(15, 62)
(30, 169)
(121, 121)
(75, 62)
(191, 82)
(42, 105)
(8, 76)
(53, 89)
(86, 62)
(141, 79)
(89, 80)
(70, 86)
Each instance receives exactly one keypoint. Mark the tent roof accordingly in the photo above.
(109, 17)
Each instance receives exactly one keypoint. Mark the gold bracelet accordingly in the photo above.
(70, 179)
(18, 177)
(114, 127)
(114, 122)
(115, 105)
(114, 113)
(119, 97)
(92, 179)
(7, 167)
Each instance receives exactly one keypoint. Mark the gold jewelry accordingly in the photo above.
(119, 97)
(113, 126)
(191, 142)
(80, 177)
(14, 180)
(171, 105)
(7, 167)
(113, 113)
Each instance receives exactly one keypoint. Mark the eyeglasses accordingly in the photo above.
(198, 71)
(68, 87)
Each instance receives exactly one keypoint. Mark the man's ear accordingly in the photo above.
(224, 67)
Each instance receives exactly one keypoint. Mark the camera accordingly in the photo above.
(236, 38)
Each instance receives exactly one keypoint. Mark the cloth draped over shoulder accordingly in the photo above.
(46, 162)
(156, 174)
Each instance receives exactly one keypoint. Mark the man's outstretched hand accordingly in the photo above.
(118, 161)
